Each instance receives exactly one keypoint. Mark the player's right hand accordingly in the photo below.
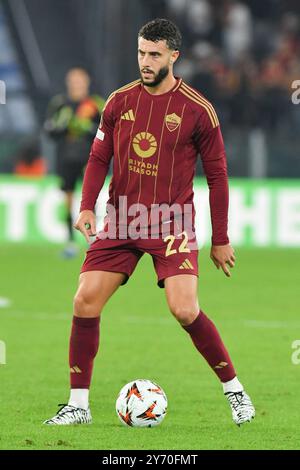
(86, 224)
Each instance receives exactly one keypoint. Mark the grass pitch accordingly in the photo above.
(256, 311)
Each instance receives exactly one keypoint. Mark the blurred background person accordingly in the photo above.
(72, 121)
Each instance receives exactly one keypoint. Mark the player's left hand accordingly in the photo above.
(222, 256)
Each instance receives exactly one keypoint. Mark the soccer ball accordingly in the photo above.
(141, 403)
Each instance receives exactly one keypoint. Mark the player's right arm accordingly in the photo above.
(96, 171)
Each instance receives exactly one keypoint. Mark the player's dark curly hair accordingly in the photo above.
(160, 29)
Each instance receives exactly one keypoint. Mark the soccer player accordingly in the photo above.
(72, 121)
(154, 127)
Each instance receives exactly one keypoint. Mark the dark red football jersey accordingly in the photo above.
(155, 141)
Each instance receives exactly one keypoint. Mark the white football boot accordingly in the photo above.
(70, 415)
(241, 407)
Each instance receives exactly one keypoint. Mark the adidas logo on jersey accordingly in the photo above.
(186, 265)
(129, 116)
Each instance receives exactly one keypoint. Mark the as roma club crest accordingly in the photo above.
(172, 121)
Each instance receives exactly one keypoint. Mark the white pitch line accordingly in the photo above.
(68, 316)
(271, 324)
(143, 319)
(40, 315)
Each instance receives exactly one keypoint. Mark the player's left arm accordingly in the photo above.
(210, 144)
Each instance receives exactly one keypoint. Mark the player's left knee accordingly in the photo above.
(184, 314)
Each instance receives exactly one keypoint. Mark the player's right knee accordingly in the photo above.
(85, 306)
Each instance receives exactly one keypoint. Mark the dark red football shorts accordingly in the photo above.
(171, 255)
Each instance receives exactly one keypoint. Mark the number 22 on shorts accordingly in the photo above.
(183, 248)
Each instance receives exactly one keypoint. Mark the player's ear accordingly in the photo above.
(174, 57)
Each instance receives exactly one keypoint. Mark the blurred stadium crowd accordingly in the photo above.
(243, 56)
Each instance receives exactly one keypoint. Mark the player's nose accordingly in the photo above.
(145, 61)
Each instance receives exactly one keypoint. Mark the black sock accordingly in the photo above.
(70, 226)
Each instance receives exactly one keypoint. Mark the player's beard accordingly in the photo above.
(157, 78)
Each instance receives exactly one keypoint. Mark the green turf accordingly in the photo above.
(257, 312)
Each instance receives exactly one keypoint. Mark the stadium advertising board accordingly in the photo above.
(262, 212)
